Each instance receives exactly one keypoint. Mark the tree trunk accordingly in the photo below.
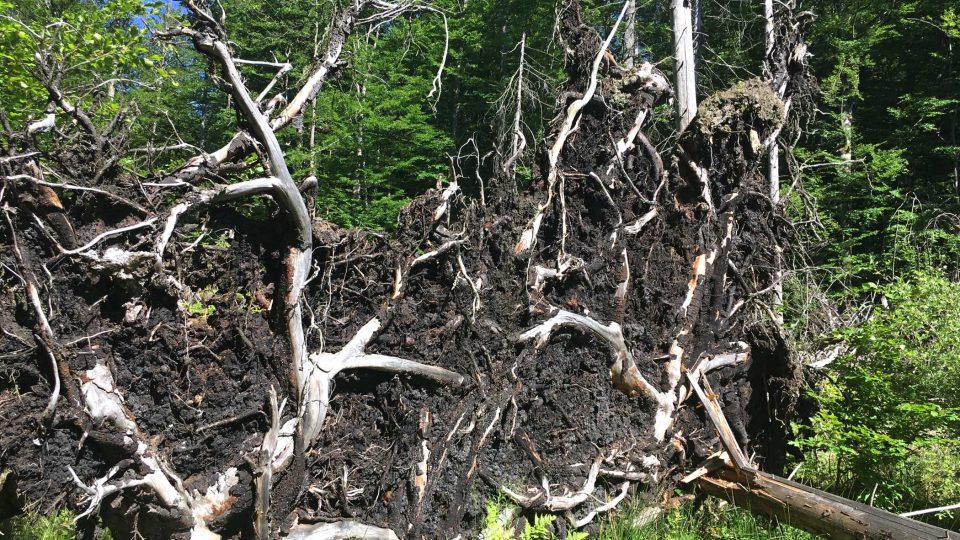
(773, 165)
(684, 67)
(813, 510)
(630, 34)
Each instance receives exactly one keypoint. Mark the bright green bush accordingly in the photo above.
(498, 524)
(58, 526)
(35, 526)
(889, 426)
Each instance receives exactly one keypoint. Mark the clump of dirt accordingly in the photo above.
(752, 101)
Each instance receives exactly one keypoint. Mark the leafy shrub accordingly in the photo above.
(58, 526)
(499, 518)
(889, 427)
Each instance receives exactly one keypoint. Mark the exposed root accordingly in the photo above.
(324, 367)
(445, 199)
(474, 286)
(215, 501)
(543, 500)
(341, 530)
(103, 401)
(607, 252)
(626, 376)
(529, 236)
(264, 478)
(422, 466)
(565, 268)
(44, 336)
(99, 489)
(606, 507)
(109, 234)
(636, 226)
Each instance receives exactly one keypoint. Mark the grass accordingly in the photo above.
(713, 520)
(58, 526)
(36, 526)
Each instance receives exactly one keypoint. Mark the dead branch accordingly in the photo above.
(264, 478)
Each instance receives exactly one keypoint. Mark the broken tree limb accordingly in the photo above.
(715, 461)
(730, 476)
(720, 422)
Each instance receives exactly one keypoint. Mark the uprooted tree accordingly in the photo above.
(566, 345)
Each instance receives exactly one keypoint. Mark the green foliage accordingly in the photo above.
(97, 43)
(200, 309)
(714, 520)
(378, 146)
(382, 133)
(57, 526)
(498, 524)
(497, 520)
(34, 526)
(889, 427)
(202, 306)
(539, 529)
(246, 302)
(889, 122)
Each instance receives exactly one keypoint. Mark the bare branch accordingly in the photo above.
(112, 196)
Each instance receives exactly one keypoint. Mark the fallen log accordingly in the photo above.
(811, 509)
(728, 475)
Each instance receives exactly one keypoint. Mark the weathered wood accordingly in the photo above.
(715, 413)
(813, 510)
(684, 69)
